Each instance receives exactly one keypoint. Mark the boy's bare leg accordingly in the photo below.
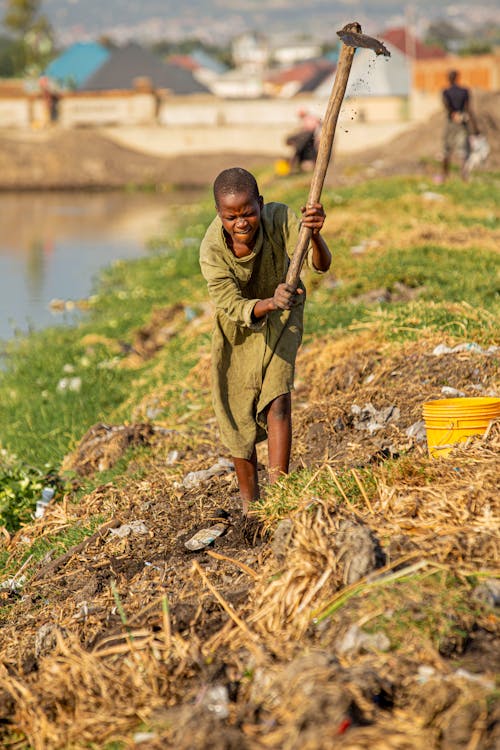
(279, 435)
(248, 480)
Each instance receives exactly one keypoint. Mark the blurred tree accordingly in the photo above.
(443, 34)
(107, 42)
(166, 48)
(12, 57)
(476, 47)
(32, 35)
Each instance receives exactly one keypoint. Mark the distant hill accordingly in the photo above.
(218, 21)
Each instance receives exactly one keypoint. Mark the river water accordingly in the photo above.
(53, 245)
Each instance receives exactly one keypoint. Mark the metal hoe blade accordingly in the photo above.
(356, 39)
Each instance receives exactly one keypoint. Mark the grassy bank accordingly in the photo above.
(405, 254)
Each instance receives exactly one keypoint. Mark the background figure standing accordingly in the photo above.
(51, 98)
(305, 141)
(460, 124)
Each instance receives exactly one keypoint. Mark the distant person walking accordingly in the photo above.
(460, 125)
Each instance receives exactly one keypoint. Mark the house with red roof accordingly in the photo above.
(403, 40)
(302, 78)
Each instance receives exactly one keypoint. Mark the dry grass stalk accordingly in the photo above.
(245, 568)
(225, 606)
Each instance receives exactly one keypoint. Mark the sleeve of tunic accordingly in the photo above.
(222, 283)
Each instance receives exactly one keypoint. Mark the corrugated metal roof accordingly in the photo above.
(405, 42)
(77, 63)
(132, 61)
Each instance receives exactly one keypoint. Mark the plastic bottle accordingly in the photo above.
(41, 505)
(209, 534)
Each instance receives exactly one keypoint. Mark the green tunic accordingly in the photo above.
(252, 362)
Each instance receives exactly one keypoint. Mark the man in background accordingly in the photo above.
(305, 142)
(460, 124)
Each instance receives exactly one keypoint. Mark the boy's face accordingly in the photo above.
(240, 216)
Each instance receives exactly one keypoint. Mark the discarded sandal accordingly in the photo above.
(219, 523)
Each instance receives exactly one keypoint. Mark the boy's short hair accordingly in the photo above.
(235, 180)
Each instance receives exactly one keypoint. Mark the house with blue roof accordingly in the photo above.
(77, 64)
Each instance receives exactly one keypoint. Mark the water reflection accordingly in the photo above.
(53, 245)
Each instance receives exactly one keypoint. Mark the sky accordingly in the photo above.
(219, 20)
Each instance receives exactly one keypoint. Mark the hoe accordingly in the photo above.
(352, 38)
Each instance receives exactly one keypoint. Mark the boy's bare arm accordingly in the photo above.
(313, 216)
(283, 299)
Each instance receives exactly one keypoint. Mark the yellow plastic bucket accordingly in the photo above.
(282, 167)
(452, 420)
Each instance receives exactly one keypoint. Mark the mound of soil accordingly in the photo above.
(417, 150)
(61, 159)
(85, 159)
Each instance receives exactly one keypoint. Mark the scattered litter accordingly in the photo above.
(172, 458)
(357, 641)
(359, 551)
(372, 419)
(363, 246)
(417, 431)
(46, 638)
(13, 585)
(281, 539)
(488, 591)
(216, 700)
(479, 150)
(84, 610)
(195, 478)
(58, 305)
(134, 527)
(425, 673)
(429, 195)
(151, 565)
(480, 679)
(69, 384)
(466, 347)
(189, 313)
(41, 504)
(153, 411)
(219, 523)
(140, 737)
(446, 390)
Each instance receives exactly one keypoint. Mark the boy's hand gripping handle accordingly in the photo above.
(352, 38)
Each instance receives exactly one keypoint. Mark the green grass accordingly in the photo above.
(435, 607)
(305, 485)
(457, 285)
(55, 544)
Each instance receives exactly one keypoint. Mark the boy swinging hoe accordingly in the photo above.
(259, 299)
(244, 259)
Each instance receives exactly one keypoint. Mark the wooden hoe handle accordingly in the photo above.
(324, 150)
